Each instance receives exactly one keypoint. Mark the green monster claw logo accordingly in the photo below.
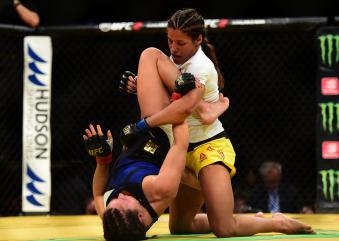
(329, 45)
(329, 112)
(330, 180)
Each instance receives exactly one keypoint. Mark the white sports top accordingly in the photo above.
(203, 68)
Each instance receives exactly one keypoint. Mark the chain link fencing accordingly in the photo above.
(270, 78)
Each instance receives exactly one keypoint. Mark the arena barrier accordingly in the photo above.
(328, 118)
(57, 80)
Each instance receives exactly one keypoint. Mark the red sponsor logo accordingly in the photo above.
(330, 86)
(221, 154)
(209, 148)
(223, 23)
(330, 149)
(202, 157)
(137, 26)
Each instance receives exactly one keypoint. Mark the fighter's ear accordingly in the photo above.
(198, 41)
(144, 217)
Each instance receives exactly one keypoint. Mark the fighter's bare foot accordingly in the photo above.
(259, 215)
(224, 100)
(209, 112)
(287, 225)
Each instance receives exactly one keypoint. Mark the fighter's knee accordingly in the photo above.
(151, 52)
(177, 228)
(173, 229)
(223, 231)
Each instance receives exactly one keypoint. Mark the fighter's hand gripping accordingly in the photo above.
(184, 83)
(132, 132)
(98, 145)
(128, 83)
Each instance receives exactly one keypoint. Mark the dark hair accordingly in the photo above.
(192, 23)
(123, 227)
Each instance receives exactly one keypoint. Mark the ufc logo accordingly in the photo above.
(96, 151)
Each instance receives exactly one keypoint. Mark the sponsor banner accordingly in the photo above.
(221, 23)
(328, 188)
(329, 86)
(36, 154)
(329, 112)
(329, 49)
(137, 26)
(330, 149)
(328, 116)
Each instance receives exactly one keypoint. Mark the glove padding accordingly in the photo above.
(184, 83)
(123, 84)
(98, 146)
(132, 132)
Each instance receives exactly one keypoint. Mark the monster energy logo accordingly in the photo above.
(330, 179)
(329, 112)
(329, 45)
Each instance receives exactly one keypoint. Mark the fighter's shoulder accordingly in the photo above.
(201, 62)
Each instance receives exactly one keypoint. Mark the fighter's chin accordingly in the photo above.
(177, 60)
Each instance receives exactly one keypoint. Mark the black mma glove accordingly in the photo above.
(123, 84)
(132, 132)
(16, 3)
(98, 146)
(184, 83)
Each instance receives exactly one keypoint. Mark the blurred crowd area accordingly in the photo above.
(63, 12)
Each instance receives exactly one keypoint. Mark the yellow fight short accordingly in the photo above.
(217, 150)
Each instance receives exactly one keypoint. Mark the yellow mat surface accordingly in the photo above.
(88, 227)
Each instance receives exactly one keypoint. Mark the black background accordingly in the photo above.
(65, 12)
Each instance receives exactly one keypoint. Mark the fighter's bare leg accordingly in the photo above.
(219, 204)
(156, 74)
(184, 212)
